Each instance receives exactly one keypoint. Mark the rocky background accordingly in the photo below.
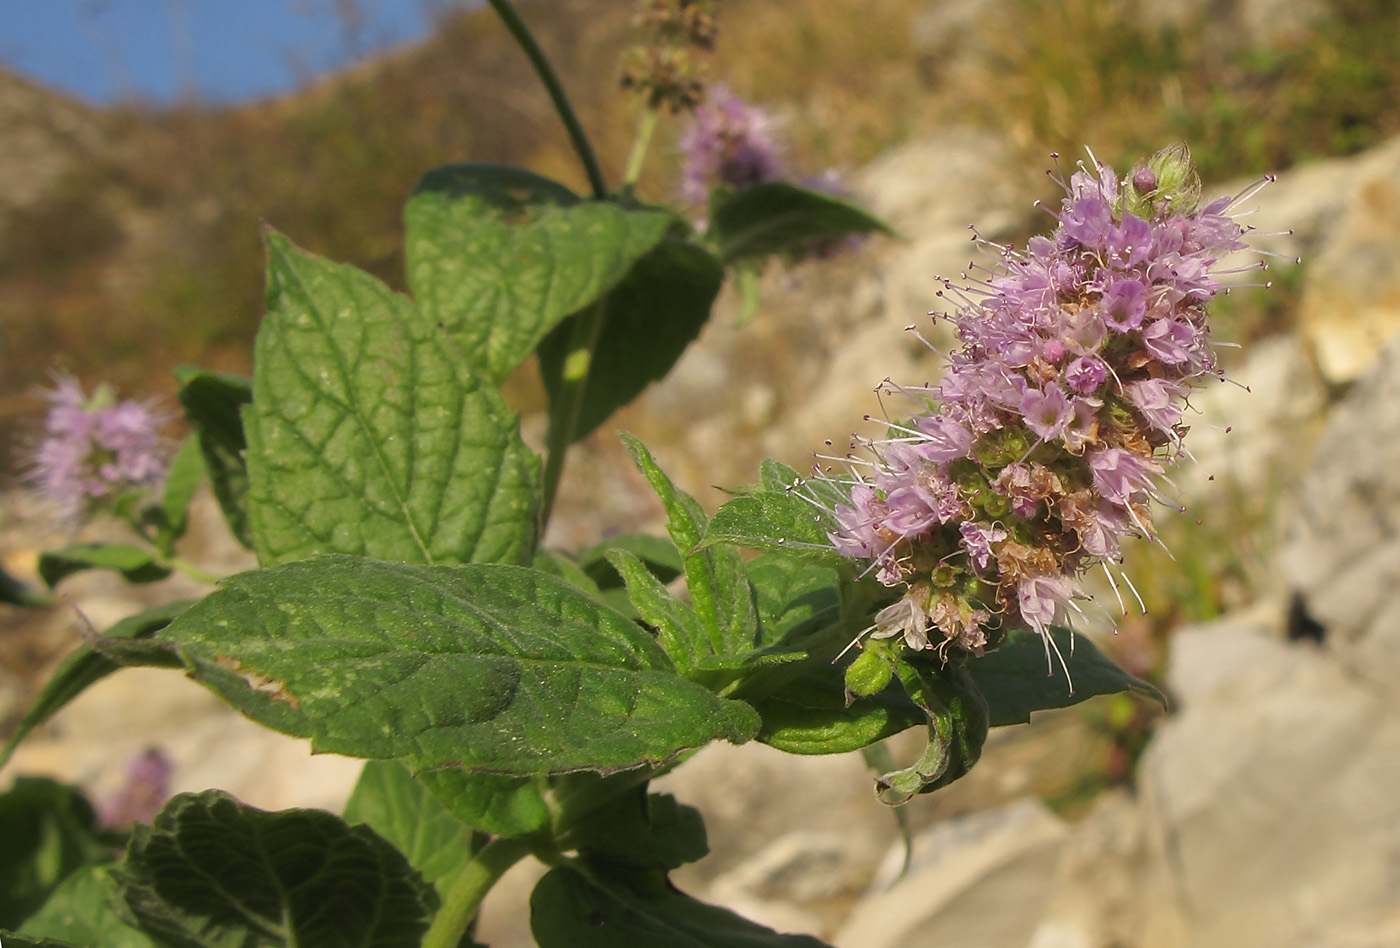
(1264, 810)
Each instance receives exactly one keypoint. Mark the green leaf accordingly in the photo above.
(788, 516)
(186, 473)
(212, 402)
(49, 832)
(81, 911)
(214, 873)
(368, 435)
(808, 713)
(638, 830)
(86, 667)
(15, 940)
(568, 910)
(136, 564)
(659, 554)
(15, 593)
(497, 256)
(777, 217)
(715, 577)
(677, 626)
(795, 599)
(493, 803)
(957, 729)
(403, 811)
(487, 667)
(1017, 679)
(652, 316)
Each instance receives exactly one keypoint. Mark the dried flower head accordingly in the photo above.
(97, 450)
(728, 143)
(1042, 446)
(661, 68)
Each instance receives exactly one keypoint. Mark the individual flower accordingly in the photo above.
(96, 450)
(1042, 446)
(144, 793)
(728, 143)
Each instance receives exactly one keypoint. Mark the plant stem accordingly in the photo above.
(637, 158)
(567, 403)
(464, 898)
(179, 564)
(522, 35)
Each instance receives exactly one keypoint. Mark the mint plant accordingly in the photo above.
(513, 700)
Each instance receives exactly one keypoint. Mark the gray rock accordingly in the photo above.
(1343, 549)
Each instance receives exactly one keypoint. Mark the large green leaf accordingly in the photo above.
(368, 435)
(404, 812)
(498, 256)
(641, 830)
(1019, 678)
(49, 831)
(778, 217)
(213, 873)
(651, 317)
(81, 911)
(809, 712)
(487, 667)
(212, 402)
(568, 910)
(86, 667)
(498, 804)
(795, 599)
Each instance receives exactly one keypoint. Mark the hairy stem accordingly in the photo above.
(522, 35)
(464, 898)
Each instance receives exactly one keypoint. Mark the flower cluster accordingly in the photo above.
(1046, 436)
(96, 450)
(728, 143)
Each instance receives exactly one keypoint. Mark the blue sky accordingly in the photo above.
(219, 50)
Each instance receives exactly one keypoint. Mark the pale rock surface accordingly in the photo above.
(1343, 548)
(977, 881)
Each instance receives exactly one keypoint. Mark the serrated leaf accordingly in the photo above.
(82, 911)
(715, 577)
(568, 910)
(493, 803)
(641, 830)
(402, 810)
(136, 564)
(1017, 679)
(50, 831)
(794, 599)
(652, 316)
(486, 667)
(186, 473)
(86, 667)
(677, 626)
(777, 217)
(213, 873)
(777, 523)
(368, 435)
(498, 256)
(212, 402)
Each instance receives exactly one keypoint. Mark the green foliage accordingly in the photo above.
(491, 667)
(49, 831)
(213, 402)
(136, 564)
(361, 408)
(780, 218)
(82, 912)
(213, 873)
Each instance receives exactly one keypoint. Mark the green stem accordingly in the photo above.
(567, 403)
(179, 564)
(639, 148)
(464, 898)
(522, 35)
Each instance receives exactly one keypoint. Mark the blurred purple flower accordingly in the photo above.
(96, 449)
(728, 143)
(144, 793)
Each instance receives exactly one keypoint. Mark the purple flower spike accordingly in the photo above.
(96, 450)
(728, 143)
(1040, 448)
(144, 793)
